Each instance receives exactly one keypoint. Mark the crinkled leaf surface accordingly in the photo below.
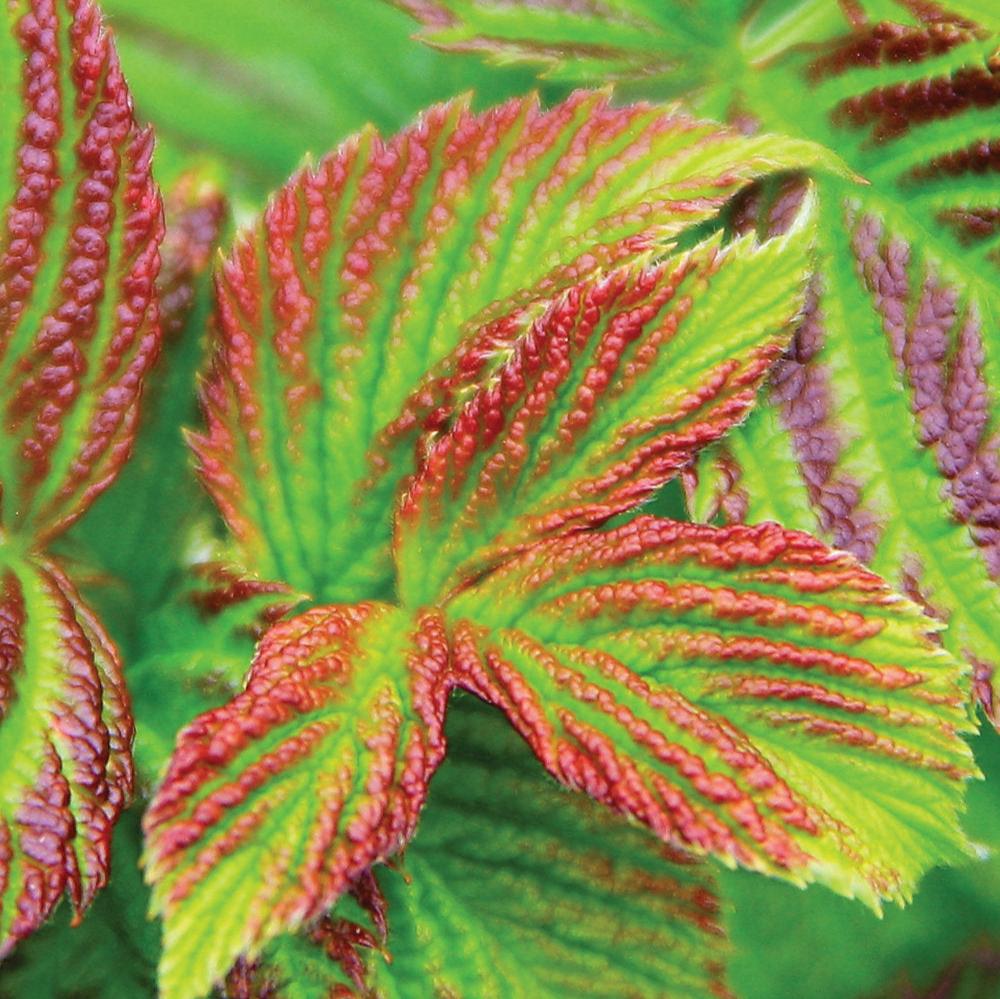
(367, 269)
(274, 803)
(583, 412)
(515, 888)
(135, 535)
(65, 742)
(80, 226)
(111, 955)
(882, 428)
(743, 691)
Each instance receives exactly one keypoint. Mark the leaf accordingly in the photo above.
(745, 692)
(514, 888)
(133, 536)
(882, 432)
(110, 955)
(605, 39)
(65, 741)
(583, 412)
(367, 270)
(274, 803)
(78, 261)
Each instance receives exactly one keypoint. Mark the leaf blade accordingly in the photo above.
(328, 751)
(584, 412)
(78, 261)
(367, 270)
(65, 738)
(712, 683)
(560, 898)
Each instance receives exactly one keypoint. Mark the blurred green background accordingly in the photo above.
(252, 88)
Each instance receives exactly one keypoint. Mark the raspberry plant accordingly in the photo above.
(445, 692)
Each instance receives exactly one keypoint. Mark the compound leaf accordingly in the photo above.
(512, 887)
(746, 692)
(367, 269)
(274, 803)
(583, 412)
(81, 222)
(65, 742)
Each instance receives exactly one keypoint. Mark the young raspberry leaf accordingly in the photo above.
(746, 692)
(582, 412)
(135, 531)
(366, 271)
(274, 803)
(513, 887)
(882, 430)
(65, 742)
(79, 230)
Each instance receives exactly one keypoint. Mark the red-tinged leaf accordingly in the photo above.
(275, 803)
(367, 270)
(746, 692)
(81, 222)
(65, 742)
(582, 412)
(135, 532)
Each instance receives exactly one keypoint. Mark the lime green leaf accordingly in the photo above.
(584, 411)
(274, 803)
(65, 742)
(515, 888)
(78, 261)
(744, 691)
(367, 269)
(883, 429)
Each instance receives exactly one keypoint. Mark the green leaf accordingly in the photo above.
(583, 412)
(514, 888)
(367, 269)
(78, 261)
(274, 803)
(65, 742)
(882, 429)
(745, 692)
(609, 39)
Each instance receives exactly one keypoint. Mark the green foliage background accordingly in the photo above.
(243, 90)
